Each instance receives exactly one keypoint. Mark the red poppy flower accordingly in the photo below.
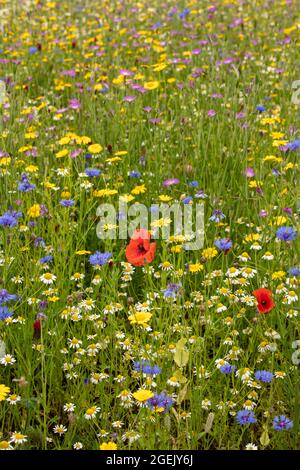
(264, 300)
(140, 250)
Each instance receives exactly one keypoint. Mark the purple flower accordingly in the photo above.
(67, 202)
(201, 194)
(264, 376)
(249, 172)
(224, 244)
(217, 215)
(161, 402)
(74, 104)
(281, 423)
(260, 108)
(129, 98)
(193, 184)
(170, 182)
(263, 213)
(211, 113)
(92, 172)
(99, 259)
(244, 417)
(286, 234)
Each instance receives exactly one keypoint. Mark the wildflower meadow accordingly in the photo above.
(149, 225)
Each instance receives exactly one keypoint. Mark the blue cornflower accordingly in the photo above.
(161, 402)
(39, 242)
(32, 50)
(227, 369)
(92, 172)
(25, 186)
(98, 259)
(184, 13)
(245, 417)
(281, 423)
(171, 290)
(294, 145)
(294, 271)
(134, 174)
(194, 184)
(217, 215)
(9, 219)
(260, 108)
(67, 202)
(5, 297)
(224, 244)
(286, 234)
(46, 259)
(146, 368)
(264, 376)
(187, 200)
(5, 313)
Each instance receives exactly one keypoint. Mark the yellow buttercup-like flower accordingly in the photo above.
(108, 446)
(143, 395)
(34, 211)
(4, 391)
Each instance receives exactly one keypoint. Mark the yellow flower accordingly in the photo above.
(5, 161)
(5, 445)
(83, 252)
(104, 192)
(139, 189)
(95, 148)
(32, 168)
(127, 197)
(272, 158)
(34, 211)
(209, 253)
(108, 446)
(278, 275)
(164, 198)
(161, 222)
(151, 85)
(64, 140)
(196, 267)
(4, 390)
(279, 220)
(62, 153)
(140, 318)
(113, 159)
(143, 395)
(176, 249)
(120, 152)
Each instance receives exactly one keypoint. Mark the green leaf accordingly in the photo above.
(181, 355)
(264, 438)
(2, 349)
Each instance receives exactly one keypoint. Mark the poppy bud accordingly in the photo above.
(37, 328)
